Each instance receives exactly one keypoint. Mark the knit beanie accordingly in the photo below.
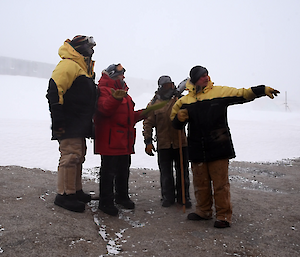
(164, 80)
(197, 72)
(115, 70)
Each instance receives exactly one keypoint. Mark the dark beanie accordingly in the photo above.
(164, 80)
(197, 72)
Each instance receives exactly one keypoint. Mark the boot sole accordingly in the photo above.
(68, 208)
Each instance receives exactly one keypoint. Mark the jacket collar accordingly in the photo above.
(106, 81)
(192, 88)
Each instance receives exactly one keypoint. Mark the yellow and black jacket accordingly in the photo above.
(209, 137)
(72, 94)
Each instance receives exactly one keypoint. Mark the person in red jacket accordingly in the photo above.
(114, 138)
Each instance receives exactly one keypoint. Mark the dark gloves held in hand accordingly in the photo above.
(149, 148)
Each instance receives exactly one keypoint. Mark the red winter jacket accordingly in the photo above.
(114, 120)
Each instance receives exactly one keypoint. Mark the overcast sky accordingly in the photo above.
(241, 42)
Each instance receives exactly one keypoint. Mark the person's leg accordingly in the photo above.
(121, 182)
(81, 196)
(202, 190)
(165, 163)
(185, 175)
(70, 156)
(79, 165)
(219, 174)
(106, 185)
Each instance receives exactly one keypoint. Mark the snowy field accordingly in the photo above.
(261, 130)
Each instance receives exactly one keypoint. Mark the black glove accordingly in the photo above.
(263, 90)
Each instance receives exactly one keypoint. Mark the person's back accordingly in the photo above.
(72, 96)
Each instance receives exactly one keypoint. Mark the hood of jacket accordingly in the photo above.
(66, 51)
(106, 81)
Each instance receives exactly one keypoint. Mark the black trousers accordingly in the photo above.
(168, 159)
(114, 177)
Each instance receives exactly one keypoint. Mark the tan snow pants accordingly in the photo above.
(208, 176)
(72, 155)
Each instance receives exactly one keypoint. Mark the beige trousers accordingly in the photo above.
(72, 155)
(208, 176)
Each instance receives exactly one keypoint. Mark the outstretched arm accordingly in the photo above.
(264, 90)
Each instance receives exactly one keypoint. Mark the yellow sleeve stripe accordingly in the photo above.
(176, 108)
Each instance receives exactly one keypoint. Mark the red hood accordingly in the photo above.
(106, 81)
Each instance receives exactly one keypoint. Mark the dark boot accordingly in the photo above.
(188, 203)
(83, 197)
(126, 203)
(221, 224)
(69, 202)
(166, 203)
(109, 209)
(195, 216)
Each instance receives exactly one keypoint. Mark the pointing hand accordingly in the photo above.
(270, 92)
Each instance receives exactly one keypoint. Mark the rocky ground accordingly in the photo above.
(266, 217)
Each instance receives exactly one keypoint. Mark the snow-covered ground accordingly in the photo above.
(262, 131)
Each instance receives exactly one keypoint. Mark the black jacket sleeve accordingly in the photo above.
(56, 109)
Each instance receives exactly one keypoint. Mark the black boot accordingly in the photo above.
(126, 203)
(69, 202)
(109, 209)
(83, 197)
(166, 203)
(188, 203)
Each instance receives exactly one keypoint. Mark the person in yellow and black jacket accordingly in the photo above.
(210, 145)
(72, 97)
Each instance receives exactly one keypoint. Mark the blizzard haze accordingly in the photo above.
(242, 44)
(261, 130)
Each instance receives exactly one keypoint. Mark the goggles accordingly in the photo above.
(114, 70)
(90, 41)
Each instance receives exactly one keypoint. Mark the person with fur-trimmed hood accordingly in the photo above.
(210, 145)
(115, 133)
(72, 96)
